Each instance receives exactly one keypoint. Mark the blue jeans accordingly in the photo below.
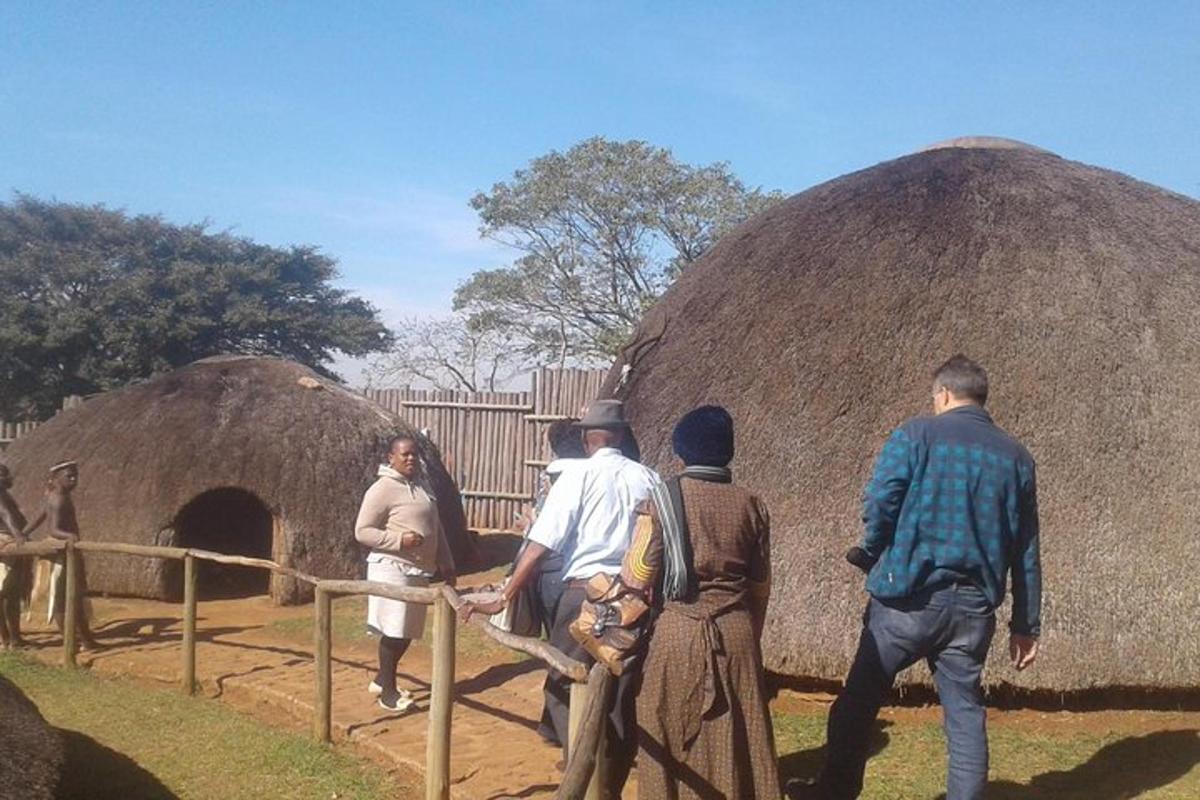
(951, 627)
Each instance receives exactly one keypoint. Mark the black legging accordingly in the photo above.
(390, 650)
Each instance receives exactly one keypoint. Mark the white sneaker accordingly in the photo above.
(375, 689)
(398, 702)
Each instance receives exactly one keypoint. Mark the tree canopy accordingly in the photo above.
(92, 298)
(602, 230)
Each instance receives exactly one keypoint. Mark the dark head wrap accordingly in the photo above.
(704, 437)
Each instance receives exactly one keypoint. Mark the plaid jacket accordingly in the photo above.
(954, 497)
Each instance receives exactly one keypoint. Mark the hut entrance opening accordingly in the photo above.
(234, 522)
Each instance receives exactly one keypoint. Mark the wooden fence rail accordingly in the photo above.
(587, 702)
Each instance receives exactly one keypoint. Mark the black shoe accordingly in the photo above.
(804, 789)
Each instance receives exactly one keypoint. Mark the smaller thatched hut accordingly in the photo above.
(31, 752)
(250, 456)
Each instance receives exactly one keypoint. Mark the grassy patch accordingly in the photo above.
(1066, 765)
(133, 742)
(349, 627)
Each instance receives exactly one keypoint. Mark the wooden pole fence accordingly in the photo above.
(189, 624)
(588, 702)
(441, 702)
(69, 614)
(323, 655)
(587, 724)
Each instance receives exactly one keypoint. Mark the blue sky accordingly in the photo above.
(364, 128)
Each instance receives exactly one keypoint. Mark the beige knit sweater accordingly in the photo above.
(394, 506)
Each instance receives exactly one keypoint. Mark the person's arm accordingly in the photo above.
(643, 560)
(13, 521)
(1026, 625)
(525, 571)
(760, 573)
(884, 495)
(445, 557)
(370, 528)
(550, 531)
(54, 515)
(33, 526)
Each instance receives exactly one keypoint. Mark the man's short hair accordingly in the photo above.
(397, 439)
(963, 378)
(566, 440)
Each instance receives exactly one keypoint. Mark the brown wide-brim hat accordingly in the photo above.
(609, 414)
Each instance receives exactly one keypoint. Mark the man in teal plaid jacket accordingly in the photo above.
(950, 510)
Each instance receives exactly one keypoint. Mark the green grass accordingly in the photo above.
(131, 742)
(1025, 764)
(349, 627)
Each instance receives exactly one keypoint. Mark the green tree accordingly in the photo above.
(602, 230)
(91, 298)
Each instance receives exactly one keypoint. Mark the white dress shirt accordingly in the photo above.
(594, 505)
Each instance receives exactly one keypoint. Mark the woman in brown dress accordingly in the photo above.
(702, 552)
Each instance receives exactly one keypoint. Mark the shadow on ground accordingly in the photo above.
(806, 764)
(1123, 769)
(92, 771)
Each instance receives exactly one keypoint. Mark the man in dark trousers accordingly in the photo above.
(589, 516)
(950, 511)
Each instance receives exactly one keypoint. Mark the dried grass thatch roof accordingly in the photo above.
(305, 446)
(817, 324)
(31, 752)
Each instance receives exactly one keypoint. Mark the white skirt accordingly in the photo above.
(394, 618)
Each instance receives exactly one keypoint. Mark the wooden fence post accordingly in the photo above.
(323, 724)
(71, 601)
(441, 700)
(189, 624)
(578, 701)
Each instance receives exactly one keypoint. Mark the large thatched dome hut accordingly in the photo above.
(818, 322)
(249, 456)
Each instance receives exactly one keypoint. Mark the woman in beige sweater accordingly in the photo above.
(399, 521)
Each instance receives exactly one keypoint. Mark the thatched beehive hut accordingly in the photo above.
(31, 752)
(818, 322)
(249, 456)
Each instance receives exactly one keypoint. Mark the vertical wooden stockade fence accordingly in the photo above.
(590, 694)
(493, 443)
(11, 431)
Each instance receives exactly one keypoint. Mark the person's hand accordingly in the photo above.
(1022, 650)
(470, 609)
(410, 539)
(860, 558)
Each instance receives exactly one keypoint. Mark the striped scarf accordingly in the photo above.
(679, 579)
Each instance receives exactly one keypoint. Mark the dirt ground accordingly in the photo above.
(258, 657)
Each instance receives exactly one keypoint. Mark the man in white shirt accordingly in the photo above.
(592, 507)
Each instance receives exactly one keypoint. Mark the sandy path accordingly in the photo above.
(259, 658)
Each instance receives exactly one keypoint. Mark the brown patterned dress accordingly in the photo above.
(704, 727)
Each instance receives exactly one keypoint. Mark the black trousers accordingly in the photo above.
(622, 721)
(549, 592)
